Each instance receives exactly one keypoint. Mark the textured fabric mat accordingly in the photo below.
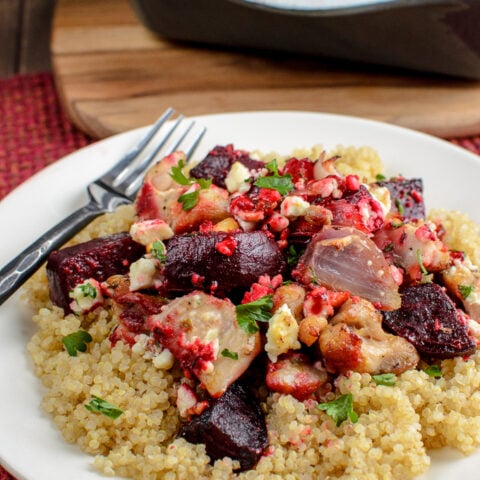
(35, 132)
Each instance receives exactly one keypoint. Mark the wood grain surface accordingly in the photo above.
(113, 75)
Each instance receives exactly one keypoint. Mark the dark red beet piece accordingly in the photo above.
(232, 426)
(99, 259)
(407, 197)
(218, 162)
(429, 320)
(220, 261)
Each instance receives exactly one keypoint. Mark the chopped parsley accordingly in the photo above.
(159, 251)
(387, 379)
(389, 247)
(248, 314)
(229, 354)
(189, 199)
(87, 290)
(465, 290)
(293, 255)
(282, 183)
(433, 371)
(399, 206)
(340, 409)
(379, 177)
(76, 342)
(99, 405)
(420, 263)
(177, 174)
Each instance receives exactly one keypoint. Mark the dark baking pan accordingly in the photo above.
(429, 35)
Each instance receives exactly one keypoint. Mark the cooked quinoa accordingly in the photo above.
(397, 425)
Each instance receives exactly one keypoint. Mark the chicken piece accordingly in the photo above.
(159, 175)
(294, 374)
(203, 334)
(212, 205)
(462, 280)
(355, 340)
(131, 309)
(413, 246)
(291, 294)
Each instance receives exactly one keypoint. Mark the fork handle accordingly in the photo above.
(24, 265)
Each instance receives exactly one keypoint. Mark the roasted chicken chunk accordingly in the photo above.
(203, 334)
(355, 340)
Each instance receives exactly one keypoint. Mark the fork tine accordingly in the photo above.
(191, 149)
(132, 184)
(148, 159)
(115, 174)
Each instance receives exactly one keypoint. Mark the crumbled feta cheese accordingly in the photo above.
(164, 360)
(236, 178)
(294, 206)
(142, 273)
(282, 333)
(147, 231)
(186, 399)
(86, 296)
(382, 196)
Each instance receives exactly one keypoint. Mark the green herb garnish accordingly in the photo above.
(178, 176)
(76, 342)
(87, 290)
(389, 247)
(379, 177)
(399, 206)
(465, 290)
(189, 199)
(340, 409)
(159, 251)
(387, 379)
(229, 354)
(248, 314)
(282, 183)
(420, 263)
(433, 371)
(293, 255)
(99, 405)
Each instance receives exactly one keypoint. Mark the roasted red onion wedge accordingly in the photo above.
(345, 259)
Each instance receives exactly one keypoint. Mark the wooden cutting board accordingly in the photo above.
(113, 75)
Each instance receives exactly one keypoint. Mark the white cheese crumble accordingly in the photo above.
(147, 231)
(236, 178)
(142, 273)
(282, 333)
(294, 206)
(86, 296)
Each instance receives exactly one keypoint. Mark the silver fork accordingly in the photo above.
(118, 186)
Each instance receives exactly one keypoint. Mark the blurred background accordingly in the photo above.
(25, 27)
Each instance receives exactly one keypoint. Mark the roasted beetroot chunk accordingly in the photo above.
(220, 261)
(218, 162)
(407, 197)
(233, 426)
(429, 320)
(98, 259)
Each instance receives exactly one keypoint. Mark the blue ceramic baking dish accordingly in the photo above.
(429, 35)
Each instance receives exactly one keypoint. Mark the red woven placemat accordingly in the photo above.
(35, 132)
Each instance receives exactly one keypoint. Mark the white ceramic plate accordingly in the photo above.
(30, 445)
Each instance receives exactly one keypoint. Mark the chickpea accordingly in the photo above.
(310, 329)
